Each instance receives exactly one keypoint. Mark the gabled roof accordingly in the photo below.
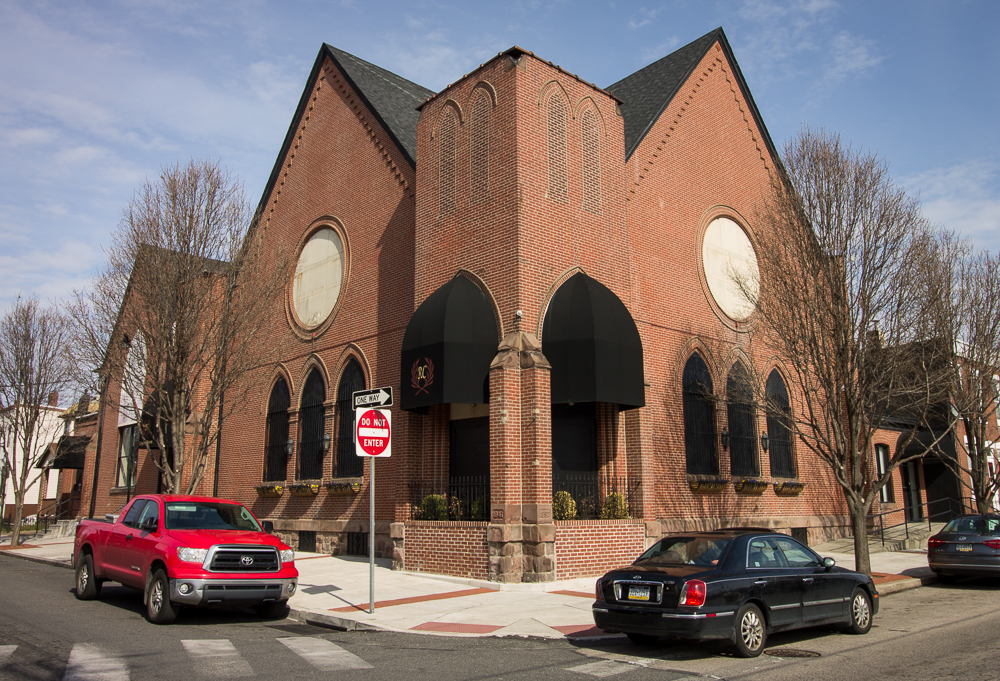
(647, 93)
(392, 99)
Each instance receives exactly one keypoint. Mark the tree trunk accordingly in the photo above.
(859, 525)
(15, 537)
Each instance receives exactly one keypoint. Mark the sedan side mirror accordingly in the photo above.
(829, 562)
(268, 526)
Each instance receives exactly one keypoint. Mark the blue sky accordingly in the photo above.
(95, 97)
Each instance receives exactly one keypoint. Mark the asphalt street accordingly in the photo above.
(45, 633)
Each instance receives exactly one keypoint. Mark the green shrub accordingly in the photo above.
(563, 506)
(434, 507)
(480, 509)
(614, 507)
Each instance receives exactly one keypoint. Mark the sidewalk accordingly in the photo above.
(333, 591)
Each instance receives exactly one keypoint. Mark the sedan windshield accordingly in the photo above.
(685, 550)
(201, 515)
(979, 524)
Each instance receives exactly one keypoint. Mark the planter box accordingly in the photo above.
(714, 486)
(750, 486)
(269, 490)
(789, 488)
(343, 488)
(303, 490)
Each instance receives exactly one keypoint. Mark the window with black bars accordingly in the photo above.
(699, 418)
(276, 465)
(778, 431)
(349, 464)
(311, 428)
(885, 494)
(742, 423)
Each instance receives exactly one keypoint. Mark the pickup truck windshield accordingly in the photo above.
(200, 515)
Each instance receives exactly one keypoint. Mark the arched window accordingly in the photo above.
(558, 174)
(591, 138)
(479, 153)
(312, 427)
(349, 464)
(699, 418)
(742, 422)
(447, 201)
(778, 431)
(275, 468)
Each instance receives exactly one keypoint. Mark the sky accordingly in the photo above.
(96, 97)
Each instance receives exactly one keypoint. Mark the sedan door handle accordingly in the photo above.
(808, 580)
(760, 582)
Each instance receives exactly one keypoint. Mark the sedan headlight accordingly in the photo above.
(192, 555)
(287, 555)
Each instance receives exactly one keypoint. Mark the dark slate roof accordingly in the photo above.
(646, 94)
(393, 99)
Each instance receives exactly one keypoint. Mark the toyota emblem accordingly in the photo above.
(247, 560)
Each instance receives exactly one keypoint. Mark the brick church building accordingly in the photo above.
(539, 268)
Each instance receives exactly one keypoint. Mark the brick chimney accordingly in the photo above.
(54, 399)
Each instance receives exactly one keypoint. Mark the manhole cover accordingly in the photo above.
(790, 652)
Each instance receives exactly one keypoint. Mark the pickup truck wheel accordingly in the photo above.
(275, 610)
(88, 587)
(159, 607)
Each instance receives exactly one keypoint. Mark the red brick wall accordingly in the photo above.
(589, 548)
(447, 548)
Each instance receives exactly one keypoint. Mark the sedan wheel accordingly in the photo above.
(861, 612)
(751, 632)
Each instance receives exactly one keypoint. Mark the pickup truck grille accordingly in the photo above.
(245, 559)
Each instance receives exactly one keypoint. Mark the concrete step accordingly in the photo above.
(62, 528)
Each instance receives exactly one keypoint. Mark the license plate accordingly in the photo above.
(963, 547)
(638, 593)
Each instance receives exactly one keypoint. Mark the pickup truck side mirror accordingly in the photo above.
(268, 526)
(149, 525)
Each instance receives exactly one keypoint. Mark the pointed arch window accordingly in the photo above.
(742, 423)
(479, 152)
(447, 158)
(699, 418)
(275, 467)
(778, 430)
(591, 138)
(558, 189)
(312, 427)
(349, 464)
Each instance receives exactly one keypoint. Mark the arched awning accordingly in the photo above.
(448, 346)
(592, 342)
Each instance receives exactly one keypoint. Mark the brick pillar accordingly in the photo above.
(504, 531)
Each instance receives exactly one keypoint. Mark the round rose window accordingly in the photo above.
(729, 258)
(318, 277)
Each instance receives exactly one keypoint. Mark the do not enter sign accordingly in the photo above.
(373, 432)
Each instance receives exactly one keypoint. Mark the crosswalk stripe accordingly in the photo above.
(217, 658)
(6, 652)
(323, 654)
(88, 663)
(602, 668)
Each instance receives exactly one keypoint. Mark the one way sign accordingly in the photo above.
(376, 398)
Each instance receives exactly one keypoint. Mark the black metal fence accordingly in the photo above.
(464, 498)
(593, 496)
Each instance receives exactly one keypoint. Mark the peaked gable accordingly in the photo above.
(647, 93)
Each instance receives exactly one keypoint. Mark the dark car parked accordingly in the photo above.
(739, 584)
(968, 546)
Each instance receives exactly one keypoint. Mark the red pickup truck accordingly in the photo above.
(183, 550)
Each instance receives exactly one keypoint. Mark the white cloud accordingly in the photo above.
(851, 56)
(964, 198)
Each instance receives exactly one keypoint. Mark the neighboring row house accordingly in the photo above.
(539, 268)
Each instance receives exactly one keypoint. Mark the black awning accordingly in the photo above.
(448, 346)
(71, 451)
(592, 342)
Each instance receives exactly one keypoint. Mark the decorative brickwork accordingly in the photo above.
(479, 152)
(558, 176)
(446, 151)
(591, 137)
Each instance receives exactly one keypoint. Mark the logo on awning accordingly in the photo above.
(422, 375)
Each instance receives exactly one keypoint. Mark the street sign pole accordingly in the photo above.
(371, 538)
(372, 437)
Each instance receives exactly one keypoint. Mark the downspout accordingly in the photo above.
(100, 438)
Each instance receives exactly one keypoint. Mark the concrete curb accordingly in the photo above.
(904, 585)
(58, 562)
(331, 621)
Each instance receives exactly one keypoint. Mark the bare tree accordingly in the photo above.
(841, 251)
(33, 367)
(178, 317)
(969, 319)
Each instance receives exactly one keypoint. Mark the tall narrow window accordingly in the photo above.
(349, 464)
(699, 418)
(742, 422)
(447, 202)
(885, 495)
(128, 456)
(312, 427)
(591, 138)
(778, 431)
(558, 174)
(276, 465)
(479, 157)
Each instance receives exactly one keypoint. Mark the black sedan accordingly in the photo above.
(968, 546)
(739, 584)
